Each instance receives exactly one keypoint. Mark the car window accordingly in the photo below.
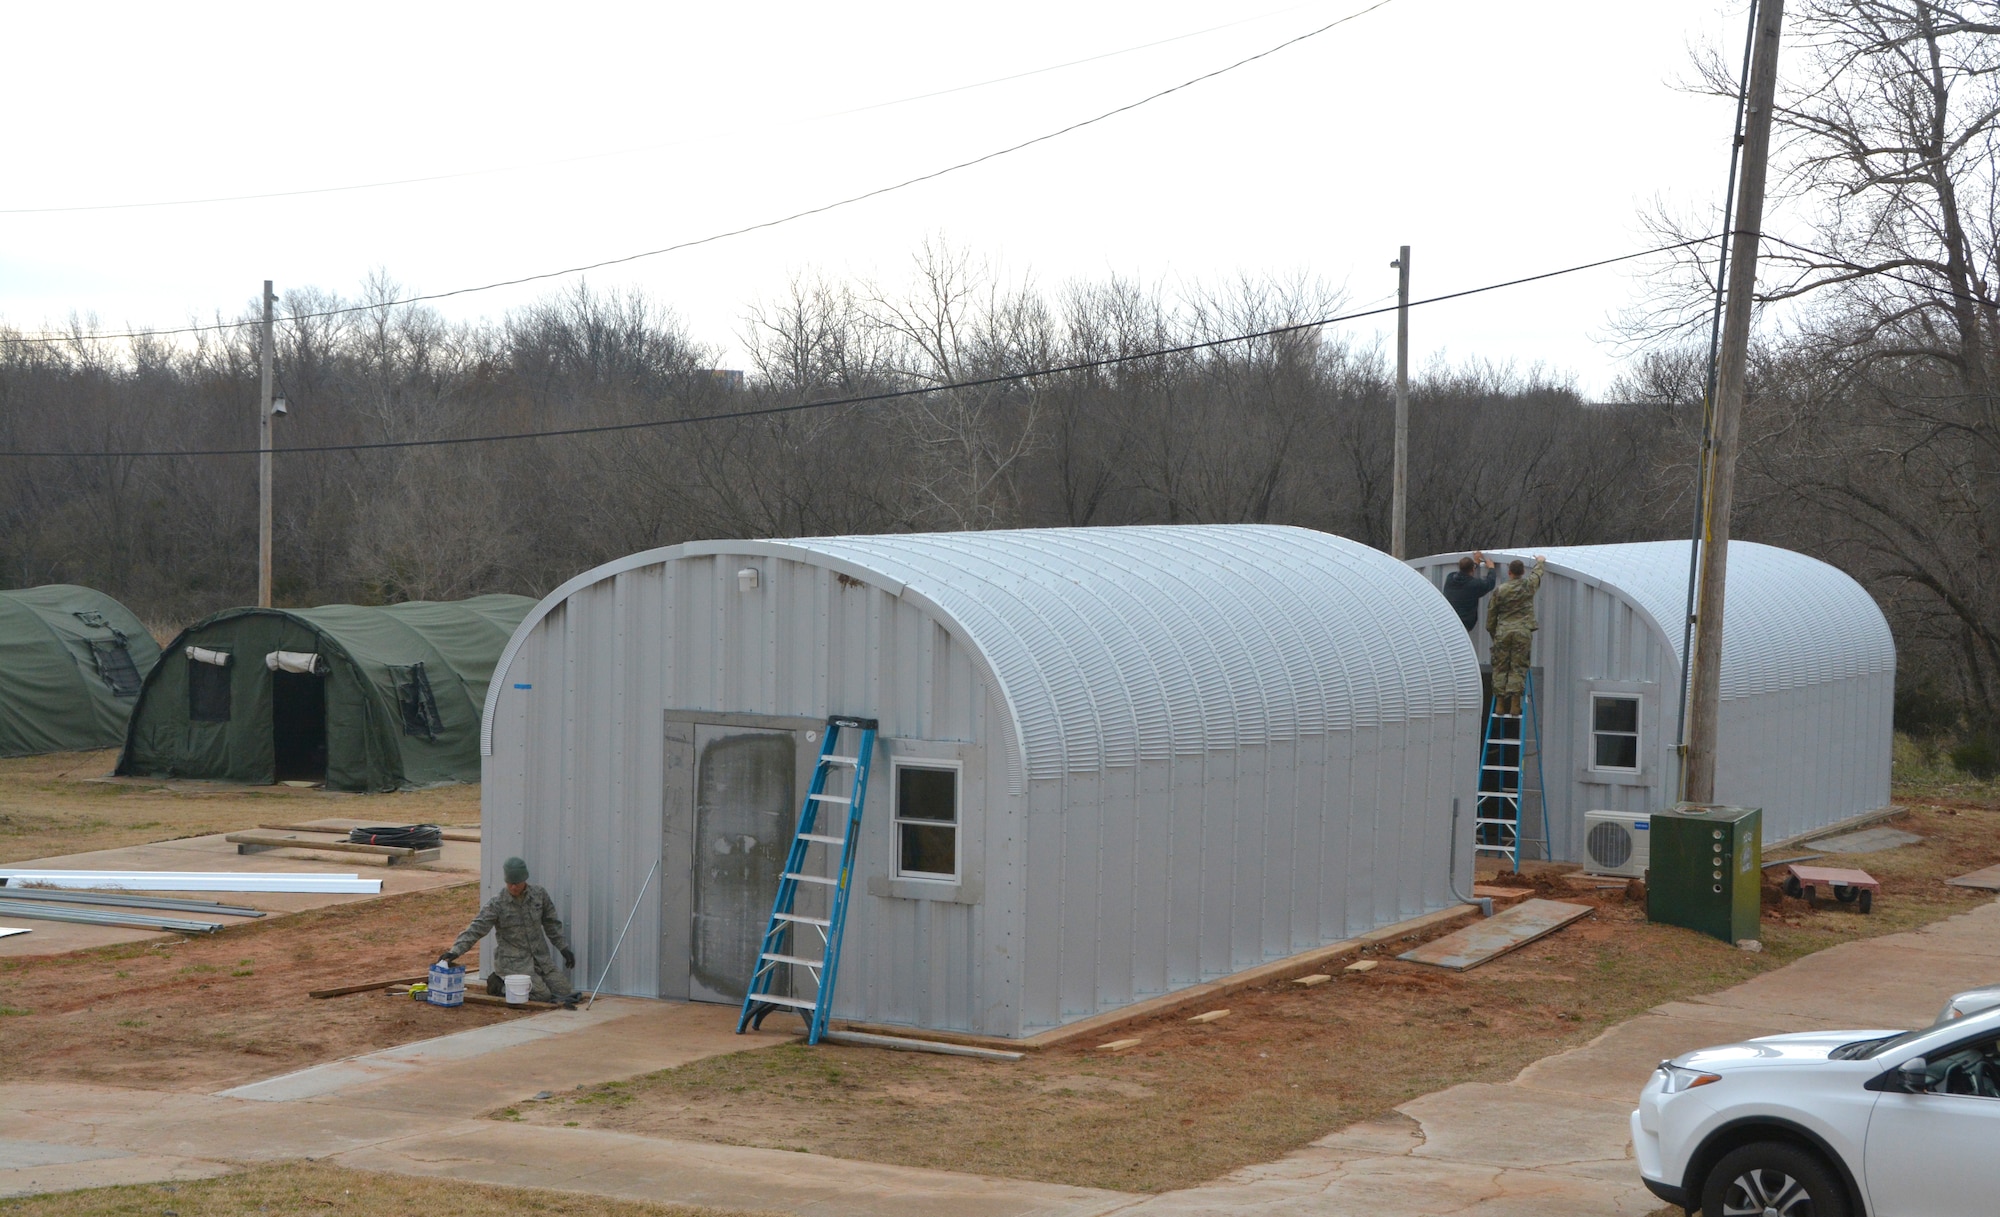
(1868, 1050)
(1971, 1069)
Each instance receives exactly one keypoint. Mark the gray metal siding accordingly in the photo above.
(1807, 695)
(1242, 773)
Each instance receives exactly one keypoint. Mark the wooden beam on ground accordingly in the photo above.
(344, 990)
(344, 851)
(1463, 949)
(449, 834)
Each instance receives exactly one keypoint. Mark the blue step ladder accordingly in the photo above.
(793, 972)
(1503, 763)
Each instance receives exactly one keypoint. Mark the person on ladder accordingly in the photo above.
(1510, 619)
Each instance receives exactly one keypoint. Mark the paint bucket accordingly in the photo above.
(446, 986)
(517, 989)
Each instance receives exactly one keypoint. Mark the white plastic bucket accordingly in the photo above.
(517, 989)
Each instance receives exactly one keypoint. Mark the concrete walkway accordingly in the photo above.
(1551, 1142)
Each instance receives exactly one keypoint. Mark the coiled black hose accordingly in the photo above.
(408, 836)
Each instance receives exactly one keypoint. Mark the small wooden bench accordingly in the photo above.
(1847, 885)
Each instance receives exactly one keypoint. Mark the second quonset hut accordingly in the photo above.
(1808, 686)
(1161, 755)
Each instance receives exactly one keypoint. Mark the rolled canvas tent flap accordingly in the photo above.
(363, 697)
(72, 661)
(304, 662)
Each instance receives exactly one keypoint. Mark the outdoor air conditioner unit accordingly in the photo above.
(1617, 842)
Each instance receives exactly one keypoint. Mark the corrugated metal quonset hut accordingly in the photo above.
(71, 662)
(1162, 754)
(1808, 685)
(360, 697)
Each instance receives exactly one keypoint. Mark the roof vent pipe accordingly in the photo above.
(1485, 905)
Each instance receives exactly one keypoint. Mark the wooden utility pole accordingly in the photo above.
(1705, 676)
(264, 455)
(1399, 498)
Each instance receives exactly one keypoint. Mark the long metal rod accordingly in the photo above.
(144, 881)
(132, 921)
(602, 976)
(1708, 403)
(129, 902)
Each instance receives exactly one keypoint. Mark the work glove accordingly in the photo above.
(569, 958)
(447, 958)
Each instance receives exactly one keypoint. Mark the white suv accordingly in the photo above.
(1829, 1124)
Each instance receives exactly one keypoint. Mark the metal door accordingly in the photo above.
(744, 812)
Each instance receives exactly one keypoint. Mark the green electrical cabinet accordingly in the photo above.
(1706, 869)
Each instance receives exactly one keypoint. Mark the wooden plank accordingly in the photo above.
(274, 841)
(1987, 880)
(305, 853)
(449, 834)
(344, 990)
(1496, 935)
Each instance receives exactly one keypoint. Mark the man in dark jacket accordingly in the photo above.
(1464, 586)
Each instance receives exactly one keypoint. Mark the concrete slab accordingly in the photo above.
(17, 1154)
(1880, 982)
(1482, 1123)
(1867, 841)
(459, 863)
(122, 1170)
(1616, 1064)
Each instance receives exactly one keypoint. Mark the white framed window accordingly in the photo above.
(1614, 732)
(926, 816)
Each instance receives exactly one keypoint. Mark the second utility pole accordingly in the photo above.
(1399, 499)
(1705, 674)
(264, 454)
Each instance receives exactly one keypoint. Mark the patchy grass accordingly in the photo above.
(1194, 1101)
(67, 803)
(226, 1008)
(315, 1187)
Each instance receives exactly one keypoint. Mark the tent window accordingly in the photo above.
(115, 666)
(420, 708)
(208, 692)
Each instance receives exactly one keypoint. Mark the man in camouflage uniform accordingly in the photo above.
(1510, 619)
(525, 923)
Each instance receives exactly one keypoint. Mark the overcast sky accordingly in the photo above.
(1496, 139)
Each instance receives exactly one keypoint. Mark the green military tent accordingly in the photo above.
(359, 697)
(71, 663)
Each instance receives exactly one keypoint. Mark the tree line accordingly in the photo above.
(1872, 438)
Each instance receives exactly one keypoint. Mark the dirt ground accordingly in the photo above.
(68, 803)
(216, 1011)
(1288, 1065)
(309, 1187)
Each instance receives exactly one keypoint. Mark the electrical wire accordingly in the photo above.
(655, 147)
(1005, 378)
(821, 209)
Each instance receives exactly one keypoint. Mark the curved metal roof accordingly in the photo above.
(1790, 621)
(1115, 645)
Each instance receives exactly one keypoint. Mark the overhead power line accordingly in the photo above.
(642, 148)
(884, 396)
(759, 226)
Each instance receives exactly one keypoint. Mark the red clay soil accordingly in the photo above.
(210, 1012)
